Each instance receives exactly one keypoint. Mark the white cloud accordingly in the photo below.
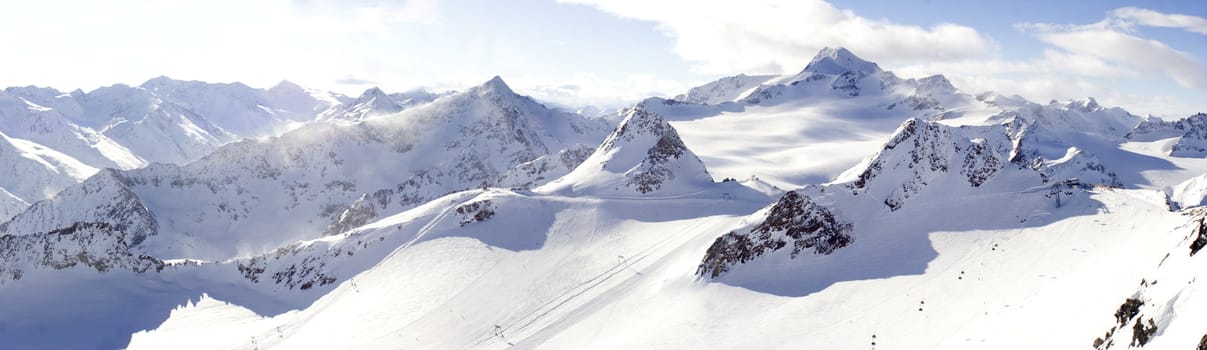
(1106, 59)
(1151, 18)
(591, 89)
(1052, 63)
(1108, 41)
(362, 16)
(771, 36)
(261, 43)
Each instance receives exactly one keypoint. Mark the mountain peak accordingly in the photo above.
(839, 60)
(644, 154)
(495, 84)
(286, 85)
(371, 93)
(158, 81)
(1089, 104)
(373, 102)
(936, 82)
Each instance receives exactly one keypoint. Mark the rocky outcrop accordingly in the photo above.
(648, 154)
(794, 221)
(105, 198)
(656, 168)
(361, 212)
(921, 153)
(98, 246)
(1199, 238)
(475, 211)
(1194, 139)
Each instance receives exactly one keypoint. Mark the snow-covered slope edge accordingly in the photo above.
(1166, 310)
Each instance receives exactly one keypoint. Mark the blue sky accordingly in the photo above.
(1149, 57)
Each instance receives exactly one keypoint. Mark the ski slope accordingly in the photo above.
(612, 273)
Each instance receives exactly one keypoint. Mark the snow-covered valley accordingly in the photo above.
(839, 207)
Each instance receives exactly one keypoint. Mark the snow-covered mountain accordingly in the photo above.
(375, 103)
(314, 179)
(1190, 133)
(922, 163)
(836, 72)
(30, 172)
(372, 103)
(418, 96)
(163, 120)
(295, 103)
(811, 126)
(723, 90)
(873, 211)
(1188, 194)
(643, 156)
(50, 118)
(112, 126)
(157, 130)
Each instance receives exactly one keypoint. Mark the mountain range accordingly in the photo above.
(58, 138)
(838, 207)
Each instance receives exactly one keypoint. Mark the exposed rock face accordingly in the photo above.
(665, 154)
(1200, 238)
(919, 155)
(1194, 141)
(922, 152)
(1190, 131)
(643, 155)
(794, 220)
(475, 211)
(655, 168)
(294, 266)
(361, 212)
(99, 246)
(105, 198)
